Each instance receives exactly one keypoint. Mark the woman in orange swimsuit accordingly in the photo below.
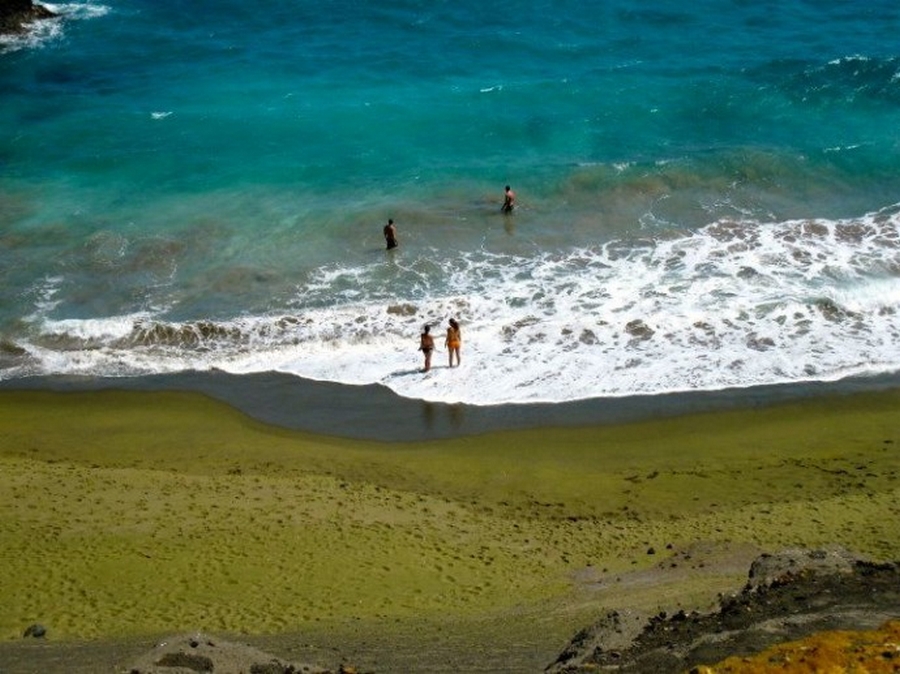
(453, 341)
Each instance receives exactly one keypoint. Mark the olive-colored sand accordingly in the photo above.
(129, 515)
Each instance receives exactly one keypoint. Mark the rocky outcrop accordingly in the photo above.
(201, 653)
(15, 15)
(788, 596)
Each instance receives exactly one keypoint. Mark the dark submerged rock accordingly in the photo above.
(639, 330)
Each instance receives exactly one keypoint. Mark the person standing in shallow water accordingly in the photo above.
(453, 341)
(390, 234)
(426, 346)
(509, 200)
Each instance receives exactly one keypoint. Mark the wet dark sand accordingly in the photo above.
(376, 413)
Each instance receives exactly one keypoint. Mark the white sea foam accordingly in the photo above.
(735, 304)
(78, 10)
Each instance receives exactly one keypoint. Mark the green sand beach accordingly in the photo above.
(125, 516)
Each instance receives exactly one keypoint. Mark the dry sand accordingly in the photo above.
(127, 516)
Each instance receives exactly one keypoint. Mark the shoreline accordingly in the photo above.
(375, 413)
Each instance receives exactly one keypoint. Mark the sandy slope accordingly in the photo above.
(127, 516)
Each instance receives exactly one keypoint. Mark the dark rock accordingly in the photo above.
(788, 596)
(606, 640)
(198, 663)
(37, 631)
(15, 15)
(10, 6)
(199, 653)
(272, 668)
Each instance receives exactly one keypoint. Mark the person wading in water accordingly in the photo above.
(390, 234)
(426, 346)
(509, 200)
(453, 341)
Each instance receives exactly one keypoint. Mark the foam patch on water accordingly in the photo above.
(734, 304)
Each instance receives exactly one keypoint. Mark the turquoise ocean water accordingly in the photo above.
(708, 193)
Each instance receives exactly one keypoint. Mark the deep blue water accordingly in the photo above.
(185, 186)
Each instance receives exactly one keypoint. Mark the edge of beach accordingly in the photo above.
(373, 412)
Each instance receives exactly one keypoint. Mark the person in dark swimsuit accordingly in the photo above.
(426, 346)
(390, 235)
